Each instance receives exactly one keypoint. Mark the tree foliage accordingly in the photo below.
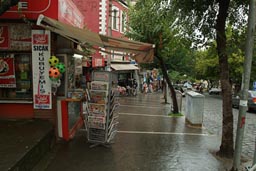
(150, 22)
(211, 18)
(198, 18)
(207, 65)
(160, 28)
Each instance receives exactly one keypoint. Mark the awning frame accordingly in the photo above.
(123, 67)
(141, 52)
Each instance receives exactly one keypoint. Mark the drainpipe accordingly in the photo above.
(109, 33)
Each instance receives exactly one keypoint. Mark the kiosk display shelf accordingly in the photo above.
(101, 110)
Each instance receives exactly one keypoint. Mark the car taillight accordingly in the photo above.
(254, 100)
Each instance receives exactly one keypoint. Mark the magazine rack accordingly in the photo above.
(101, 112)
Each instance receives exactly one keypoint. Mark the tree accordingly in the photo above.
(211, 19)
(158, 28)
(7, 4)
(207, 65)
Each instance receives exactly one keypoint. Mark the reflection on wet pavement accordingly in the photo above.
(147, 140)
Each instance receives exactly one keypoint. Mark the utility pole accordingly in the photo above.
(245, 85)
(254, 158)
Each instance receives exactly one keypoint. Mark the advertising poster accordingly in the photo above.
(4, 37)
(40, 56)
(7, 72)
(98, 62)
(15, 37)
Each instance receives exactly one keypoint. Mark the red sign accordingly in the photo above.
(7, 73)
(31, 9)
(69, 13)
(42, 99)
(41, 39)
(4, 37)
(98, 62)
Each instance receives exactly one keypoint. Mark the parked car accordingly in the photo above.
(251, 100)
(216, 91)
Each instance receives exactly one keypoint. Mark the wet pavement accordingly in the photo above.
(147, 140)
(213, 124)
(19, 138)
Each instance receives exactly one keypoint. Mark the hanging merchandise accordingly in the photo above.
(56, 83)
(61, 67)
(53, 60)
(101, 110)
(54, 73)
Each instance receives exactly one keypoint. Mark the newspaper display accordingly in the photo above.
(99, 85)
(97, 109)
(99, 97)
(101, 120)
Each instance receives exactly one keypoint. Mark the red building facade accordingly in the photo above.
(17, 31)
(106, 17)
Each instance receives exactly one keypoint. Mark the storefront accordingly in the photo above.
(25, 49)
(123, 73)
(29, 87)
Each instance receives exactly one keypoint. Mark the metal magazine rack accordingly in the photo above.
(101, 110)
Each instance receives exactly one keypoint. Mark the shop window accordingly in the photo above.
(17, 82)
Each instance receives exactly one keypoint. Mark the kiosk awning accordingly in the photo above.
(123, 67)
(141, 52)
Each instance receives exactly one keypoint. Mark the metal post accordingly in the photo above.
(254, 158)
(245, 85)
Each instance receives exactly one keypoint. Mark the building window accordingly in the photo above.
(17, 83)
(115, 18)
(123, 23)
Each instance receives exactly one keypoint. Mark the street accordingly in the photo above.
(213, 123)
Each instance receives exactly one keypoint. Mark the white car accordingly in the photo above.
(188, 86)
(251, 100)
(216, 91)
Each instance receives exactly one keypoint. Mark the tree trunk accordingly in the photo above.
(227, 147)
(173, 93)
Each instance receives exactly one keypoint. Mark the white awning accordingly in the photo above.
(123, 67)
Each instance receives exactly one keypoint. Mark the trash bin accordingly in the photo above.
(194, 108)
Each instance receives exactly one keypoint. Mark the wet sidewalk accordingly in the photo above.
(147, 140)
(23, 143)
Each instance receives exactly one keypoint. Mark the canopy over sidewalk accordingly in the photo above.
(124, 67)
(141, 52)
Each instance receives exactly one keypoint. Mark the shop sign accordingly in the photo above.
(15, 37)
(69, 13)
(40, 56)
(86, 63)
(98, 62)
(101, 76)
(7, 72)
(4, 37)
(118, 58)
